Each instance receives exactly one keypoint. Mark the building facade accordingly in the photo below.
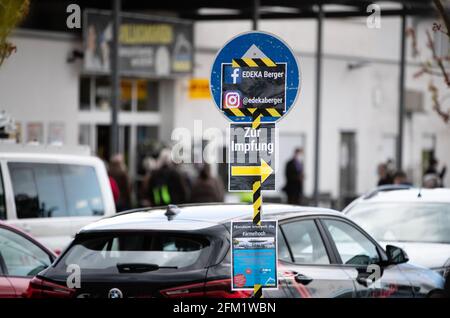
(53, 101)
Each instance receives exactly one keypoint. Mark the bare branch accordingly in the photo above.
(437, 59)
(444, 15)
(436, 103)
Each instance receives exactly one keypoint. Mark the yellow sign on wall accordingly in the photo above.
(199, 88)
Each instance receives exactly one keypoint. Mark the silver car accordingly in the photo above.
(417, 220)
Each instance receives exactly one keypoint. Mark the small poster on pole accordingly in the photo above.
(254, 255)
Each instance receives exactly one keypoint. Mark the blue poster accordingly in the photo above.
(254, 255)
(255, 70)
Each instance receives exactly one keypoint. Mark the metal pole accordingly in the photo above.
(318, 94)
(401, 99)
(115, 78)
(255, 19)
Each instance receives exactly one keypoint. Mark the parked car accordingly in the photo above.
(51, 192)
(21, 258)
(417, 220)
(185, 252)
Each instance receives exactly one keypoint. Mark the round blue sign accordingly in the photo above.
(254, 74)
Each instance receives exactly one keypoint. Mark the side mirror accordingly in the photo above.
(396, 255)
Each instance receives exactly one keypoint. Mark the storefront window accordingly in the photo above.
(102, 93)
(84, 135)
(136, 94)
(147, 95)
(126, 95)
(85, 93)
(147, 141)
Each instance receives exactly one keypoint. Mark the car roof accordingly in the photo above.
(412, 195)
(406, 195)
(15, 149)
(199, 216)
(50, 158)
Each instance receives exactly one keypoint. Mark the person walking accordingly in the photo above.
(118, 171)
(207, 188)
(114, 189)
(400, 178)
(294, 178)
(432, 173)
(150, 165)
(167, 185)
(384, 177)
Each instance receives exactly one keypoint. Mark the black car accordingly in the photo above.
(185, 252)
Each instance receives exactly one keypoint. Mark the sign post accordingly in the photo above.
(255, 80)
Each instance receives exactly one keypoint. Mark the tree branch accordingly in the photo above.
(445, 17)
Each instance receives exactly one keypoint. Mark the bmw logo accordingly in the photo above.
(115, 293)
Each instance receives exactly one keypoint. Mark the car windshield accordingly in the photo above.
(405, 222)
(106, 251)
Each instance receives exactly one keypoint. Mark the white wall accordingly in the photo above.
(38, 85)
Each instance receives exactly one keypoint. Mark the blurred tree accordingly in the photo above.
(436, 65)
(12, 13)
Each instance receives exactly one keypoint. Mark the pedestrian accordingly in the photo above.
(294, 178)
(207, 188)
(384, 177)
(118, 171)
(150, 165)
(432, 173)
(167, 185)
(431, 181)
(114, 189)
(400, 178)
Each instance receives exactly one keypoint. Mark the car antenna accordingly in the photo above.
(172, 211)
(419, 195)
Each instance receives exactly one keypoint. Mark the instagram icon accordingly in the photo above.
(232, 99)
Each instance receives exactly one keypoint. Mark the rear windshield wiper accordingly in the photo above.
(140, 267)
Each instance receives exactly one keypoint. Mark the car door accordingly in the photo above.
(20, 260)
(361, 257)
(6, 289)
(306, 269)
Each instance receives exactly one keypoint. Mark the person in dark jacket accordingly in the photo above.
(167, 185)
(207, 188)
(400, 178)
(384, 176)
(294, 178)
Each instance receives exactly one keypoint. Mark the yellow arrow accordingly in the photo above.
(264, 170)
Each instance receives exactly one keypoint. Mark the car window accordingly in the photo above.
(283, 251)
(353, 246)
(2, 198)
(305, 242)
(84, 197)
(405, 222)
(105, 252)
(21, 256)
(50, 190)
(38, 190)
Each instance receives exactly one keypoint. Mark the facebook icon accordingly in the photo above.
(232, 75)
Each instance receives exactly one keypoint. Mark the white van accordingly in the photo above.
(51, 192)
